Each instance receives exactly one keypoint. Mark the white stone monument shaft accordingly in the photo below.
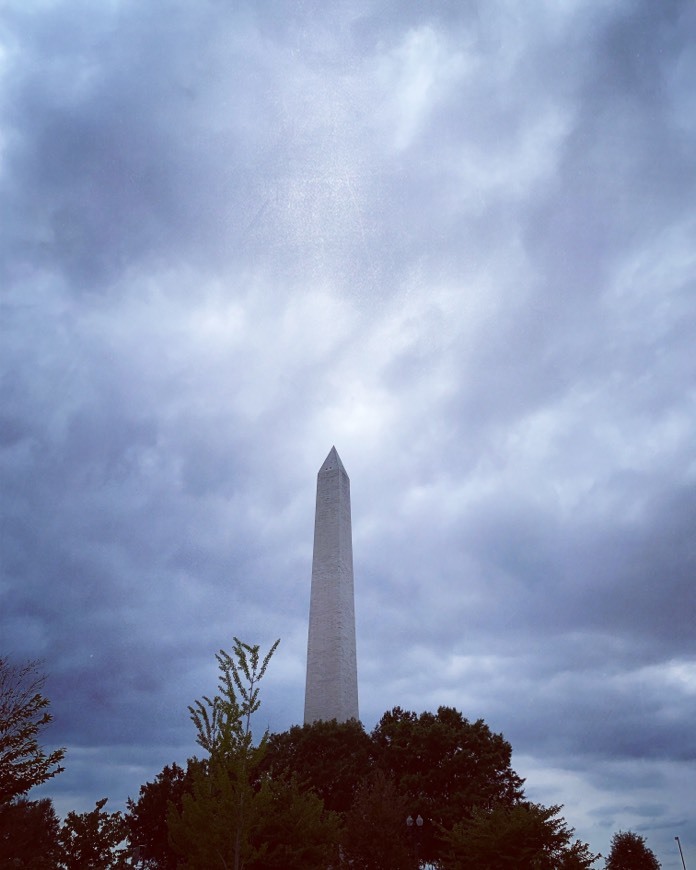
(332, 676)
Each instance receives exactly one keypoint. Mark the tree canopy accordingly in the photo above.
(445, 766)
(524, 836)
(376, 834)
(93, 840)
(23, 715)
(420, 787)
(28, 835)
(331, 758)
(630, 852)
(146, 819)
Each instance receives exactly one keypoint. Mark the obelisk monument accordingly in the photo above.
(332, 676)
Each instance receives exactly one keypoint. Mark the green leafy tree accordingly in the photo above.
(218, 817)
(93, 840)
(630, 852)
(146, 818)
(28, 835)
(446, 766)
(23, 714)
(331, 758)
(377, 835)
(295, 832)
(526, 836)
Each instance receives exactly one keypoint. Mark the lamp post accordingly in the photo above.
(680, 852)
(415, 829)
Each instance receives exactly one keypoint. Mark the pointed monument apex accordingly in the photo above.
(332, 677)
(333, 460)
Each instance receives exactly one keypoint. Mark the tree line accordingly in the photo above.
(428, 789)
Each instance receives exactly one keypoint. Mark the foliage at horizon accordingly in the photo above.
(331, 758)
(23, 714)
(450, 771)
(300, 799)
(376, 835)
(525, 836)
(146, 818)
(630, 852)
(93, 840)
(29, 834)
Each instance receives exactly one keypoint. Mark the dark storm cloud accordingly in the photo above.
(456, 241)
(626, 170)
(118, 122)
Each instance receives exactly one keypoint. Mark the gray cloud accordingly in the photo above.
(454, 241)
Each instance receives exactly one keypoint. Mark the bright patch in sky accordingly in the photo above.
(454, 240)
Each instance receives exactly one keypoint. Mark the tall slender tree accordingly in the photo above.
(217, 819)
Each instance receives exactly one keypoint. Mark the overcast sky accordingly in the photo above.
(455, 239)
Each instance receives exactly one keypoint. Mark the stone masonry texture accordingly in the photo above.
(332, 677)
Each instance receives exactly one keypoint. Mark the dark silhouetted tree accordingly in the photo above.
(146, 818)
(376, 835)
(295, 832)
(23, 714)
(28, 835)
(445, 766)
(331, 758)
(522, 837)
(94, 840)
(629, 852)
